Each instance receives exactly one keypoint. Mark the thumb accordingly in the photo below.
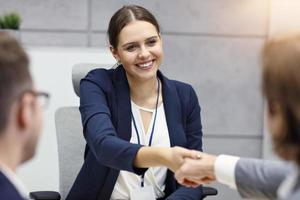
(195, 154)
(187, 153)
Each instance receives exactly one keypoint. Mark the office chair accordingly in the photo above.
(71, 142)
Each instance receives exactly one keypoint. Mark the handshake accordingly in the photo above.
(192, 168)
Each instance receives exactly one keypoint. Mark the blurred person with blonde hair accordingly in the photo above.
(256, 178)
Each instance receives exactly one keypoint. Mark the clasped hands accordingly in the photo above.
(192, 168)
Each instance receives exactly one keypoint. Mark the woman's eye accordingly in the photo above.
(152, 42)
(130, 48)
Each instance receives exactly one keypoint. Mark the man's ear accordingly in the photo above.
(25, 110)
(114, 52)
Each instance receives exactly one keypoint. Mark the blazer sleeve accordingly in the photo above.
(193, 128)
(193, 132)
(100, 133)
(257, 178)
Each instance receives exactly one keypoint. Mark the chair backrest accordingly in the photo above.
(70, 140)
(80, 70)
(70, 144)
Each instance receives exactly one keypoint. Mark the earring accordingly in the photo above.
(116, 64)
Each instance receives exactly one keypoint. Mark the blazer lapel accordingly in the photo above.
(123, 104)
(172, 111)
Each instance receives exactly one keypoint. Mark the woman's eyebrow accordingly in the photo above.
(149, 38)
(153, 37)
(129, 43)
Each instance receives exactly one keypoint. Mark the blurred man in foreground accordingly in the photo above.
(20, 116)
(254, 178)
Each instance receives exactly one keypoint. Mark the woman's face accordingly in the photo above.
(139, 50)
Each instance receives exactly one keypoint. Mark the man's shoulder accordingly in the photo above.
(296, 194)
(7, 190)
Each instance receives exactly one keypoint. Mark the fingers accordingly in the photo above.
(196, 154)
(185, 171)
(189, 183)
(193, 173)
(179, 177)
(193, 154)
(187, 153)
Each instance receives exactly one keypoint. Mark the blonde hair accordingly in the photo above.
(281, 86)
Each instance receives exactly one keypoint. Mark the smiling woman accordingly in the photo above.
(139, 50)
(137, 123)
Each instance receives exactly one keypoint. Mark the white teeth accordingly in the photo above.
(148, 64)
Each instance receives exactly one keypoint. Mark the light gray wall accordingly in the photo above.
(212, 44)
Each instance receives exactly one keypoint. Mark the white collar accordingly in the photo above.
(288, 184)
(15, 180)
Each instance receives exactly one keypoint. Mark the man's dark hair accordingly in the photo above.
(14, 75)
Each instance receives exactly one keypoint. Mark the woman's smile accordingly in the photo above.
(145, 65)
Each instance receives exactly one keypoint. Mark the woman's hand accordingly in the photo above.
(174, 157)
(193, 173)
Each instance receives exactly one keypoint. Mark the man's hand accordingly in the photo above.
(174, 157)
(193, 173)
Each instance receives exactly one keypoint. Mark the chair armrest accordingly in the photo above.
(44, 195)
(209, 191)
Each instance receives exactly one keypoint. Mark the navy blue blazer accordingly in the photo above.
(8, 190)
(106, 117)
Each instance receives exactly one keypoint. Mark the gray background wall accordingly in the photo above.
(212, 44)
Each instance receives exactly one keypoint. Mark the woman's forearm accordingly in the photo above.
(151, 157)
(171, 157)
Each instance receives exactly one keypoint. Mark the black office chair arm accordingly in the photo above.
(209, 191)
(51, 195)
(44, 195)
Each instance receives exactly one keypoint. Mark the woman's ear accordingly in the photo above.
(114, 52)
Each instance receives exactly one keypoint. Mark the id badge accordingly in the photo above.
(145, 193)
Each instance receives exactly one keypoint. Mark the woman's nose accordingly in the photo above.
(144, 53)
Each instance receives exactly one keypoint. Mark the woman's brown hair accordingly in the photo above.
(124, 16)
(281, 87)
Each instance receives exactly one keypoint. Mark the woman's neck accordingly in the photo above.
(143, 93)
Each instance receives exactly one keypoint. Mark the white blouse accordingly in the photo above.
(154, 176)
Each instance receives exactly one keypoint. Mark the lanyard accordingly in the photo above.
(153, 126)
